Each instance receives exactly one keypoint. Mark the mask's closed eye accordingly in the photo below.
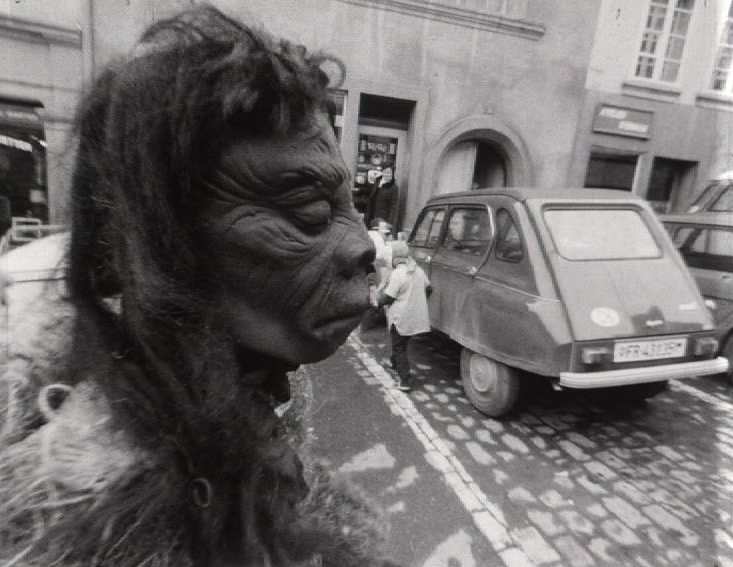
(312, 217)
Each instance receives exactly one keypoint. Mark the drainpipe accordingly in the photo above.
(87, 42)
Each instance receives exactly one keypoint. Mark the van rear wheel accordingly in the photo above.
(492, 387)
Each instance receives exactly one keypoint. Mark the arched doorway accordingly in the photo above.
(472, 164)
(479, 151)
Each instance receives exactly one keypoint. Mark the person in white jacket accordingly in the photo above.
(406, 293)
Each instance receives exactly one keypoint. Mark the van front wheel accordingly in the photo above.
(492, 387)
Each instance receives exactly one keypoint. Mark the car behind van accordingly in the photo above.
(579, 286)
(705, 241)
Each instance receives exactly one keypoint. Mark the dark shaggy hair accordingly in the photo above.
(151, 124)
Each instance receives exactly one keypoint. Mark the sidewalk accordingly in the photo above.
(370, 431)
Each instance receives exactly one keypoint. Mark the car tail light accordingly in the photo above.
(594, 355)
(706, 346)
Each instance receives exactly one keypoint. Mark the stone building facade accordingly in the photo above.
(456, 94)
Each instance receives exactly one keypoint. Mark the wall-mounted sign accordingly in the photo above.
(623, 121)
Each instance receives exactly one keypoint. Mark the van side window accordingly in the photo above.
(508, 239)
(427, 230)
(468, 231)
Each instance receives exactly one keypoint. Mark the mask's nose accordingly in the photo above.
(355, 253)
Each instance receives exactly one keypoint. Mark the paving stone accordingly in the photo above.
(577, 523)
(534, 545)
(597, 510)
(631, 492)
(515, 443)
(468, 422)
(553, 499)
(573, 552)
(600, 471)
(626, 512)
(546, 521)
(617, 531)
(581, 440)
(668, 452)
(611, 460)
(599, 547)
(521, 495)
(521, 428)
(573, 450)
(545, 430)
(591, 486)
(562, 478)
(457, 432)
(514, 557)
(668, 522)
(500, 476)
(556, 423)
(539, 442)
(507, 457)
(485, 437)
(493, 425)
(479, 454)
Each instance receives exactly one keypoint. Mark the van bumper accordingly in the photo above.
(627, 376)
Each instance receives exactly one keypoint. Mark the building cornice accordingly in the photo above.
(442, 12)
(37, 32)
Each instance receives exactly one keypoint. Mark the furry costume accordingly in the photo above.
(61, 455)
(140, 422)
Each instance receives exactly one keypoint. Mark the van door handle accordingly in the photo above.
(472, 270)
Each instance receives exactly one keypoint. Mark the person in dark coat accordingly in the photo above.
(384, 198)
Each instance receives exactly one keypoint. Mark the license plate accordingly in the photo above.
(649, 350)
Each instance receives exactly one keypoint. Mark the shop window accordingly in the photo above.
(611, 171)
(508, 240)
(468, 231)
(669, 178)
(663, 40)
(23, 159)
(427, 230)
(721, 79)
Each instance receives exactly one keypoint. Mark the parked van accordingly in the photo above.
(581, 286)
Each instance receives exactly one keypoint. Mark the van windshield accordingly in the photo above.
(592, 234)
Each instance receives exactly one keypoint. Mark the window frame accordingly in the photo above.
(491, 227)
(724, 41)
(660, 55)
(499, 238)
(428, 210)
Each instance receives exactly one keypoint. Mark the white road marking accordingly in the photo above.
(487, 516)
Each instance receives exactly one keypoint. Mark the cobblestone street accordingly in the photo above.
(567, 479)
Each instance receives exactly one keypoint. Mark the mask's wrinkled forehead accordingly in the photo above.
(276, 165)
